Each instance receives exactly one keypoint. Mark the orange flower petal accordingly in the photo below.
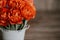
(2, 3)
(28, 12)
(15, 17)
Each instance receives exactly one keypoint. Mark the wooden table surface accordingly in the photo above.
(46, 26)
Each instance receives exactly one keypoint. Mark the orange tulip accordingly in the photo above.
(29, 1)
(2, 3)
(3, 17)
(11, 3)
(16, 4)
(14, 11)
(15, 17)
(3, 23)
(28, 12)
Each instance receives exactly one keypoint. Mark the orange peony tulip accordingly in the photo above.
(15, 17)
(2, 3)
(14, 11)
(29, 1)
(16, 4)
(3, 23)
(3, 17)
(28, 12)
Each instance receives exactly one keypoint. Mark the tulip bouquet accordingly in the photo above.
(14, 14)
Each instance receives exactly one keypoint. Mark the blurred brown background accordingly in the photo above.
(46, 25)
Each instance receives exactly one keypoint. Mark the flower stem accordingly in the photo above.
(25, 23)
(9, 27)
(16, 26)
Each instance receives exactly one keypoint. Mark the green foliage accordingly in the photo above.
(14, 27)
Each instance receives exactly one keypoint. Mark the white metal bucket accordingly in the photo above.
(13, 35)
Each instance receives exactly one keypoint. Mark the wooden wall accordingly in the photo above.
(46, 26)
(47, 4)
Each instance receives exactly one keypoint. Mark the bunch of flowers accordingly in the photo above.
(15, 13)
